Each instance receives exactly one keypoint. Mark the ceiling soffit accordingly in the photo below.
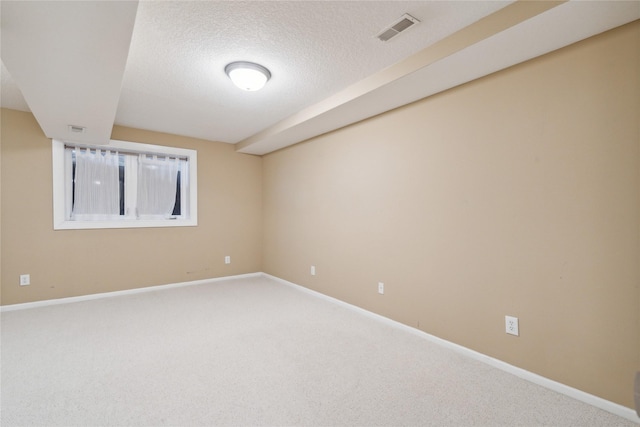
(519, 32)
(68, 59)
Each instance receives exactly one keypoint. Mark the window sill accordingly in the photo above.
(131, 223)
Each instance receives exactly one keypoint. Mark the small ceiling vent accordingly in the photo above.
(404, 23)
(77, 129)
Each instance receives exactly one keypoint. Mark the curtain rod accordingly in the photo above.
(125, 151)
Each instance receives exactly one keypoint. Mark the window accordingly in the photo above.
(123, 184)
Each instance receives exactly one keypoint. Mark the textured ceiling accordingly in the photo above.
(328, 68)
(174, 79)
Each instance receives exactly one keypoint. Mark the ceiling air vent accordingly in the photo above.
(77, 129)
(405, 22)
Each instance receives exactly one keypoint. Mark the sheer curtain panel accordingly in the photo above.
(157, 184)
(97, 184)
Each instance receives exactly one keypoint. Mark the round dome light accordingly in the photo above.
(247, 75)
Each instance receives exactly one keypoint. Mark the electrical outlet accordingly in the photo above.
(381, 288)
(25, 279)
(313, 270)
(511, 325)
(227, 259)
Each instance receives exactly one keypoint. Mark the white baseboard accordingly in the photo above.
(68, 300)
(598, 402)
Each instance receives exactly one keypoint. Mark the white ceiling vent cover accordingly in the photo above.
(77, 129)
(404, 23)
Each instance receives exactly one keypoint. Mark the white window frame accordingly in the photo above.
(62, 188)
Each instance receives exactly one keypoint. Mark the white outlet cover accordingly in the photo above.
(511, 325)
(313, 270)
(25, 279)
(227, 259)
(381, 288)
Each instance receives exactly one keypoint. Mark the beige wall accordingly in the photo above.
(517, 194)
(67, 263)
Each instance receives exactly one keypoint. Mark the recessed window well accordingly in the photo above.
(247, 75)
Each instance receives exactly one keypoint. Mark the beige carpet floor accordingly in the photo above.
(251, 352)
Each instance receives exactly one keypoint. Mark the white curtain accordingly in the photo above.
(97, 185)
(157, 182)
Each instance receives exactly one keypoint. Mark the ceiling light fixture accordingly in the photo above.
(247, 75)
